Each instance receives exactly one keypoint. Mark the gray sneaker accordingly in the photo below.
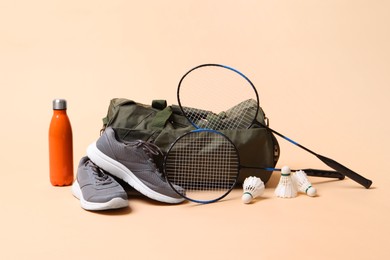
(132, 162)
(96, 190)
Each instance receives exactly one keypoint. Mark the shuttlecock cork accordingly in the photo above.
(286, 187)
(303, 184)
(252, 188)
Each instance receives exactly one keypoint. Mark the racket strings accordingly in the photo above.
(202, 161)
(238, 117)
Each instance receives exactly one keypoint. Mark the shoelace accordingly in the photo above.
(148, 147)
(100, 177)
(151, 150)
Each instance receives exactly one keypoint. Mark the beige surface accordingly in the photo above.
(322, 71)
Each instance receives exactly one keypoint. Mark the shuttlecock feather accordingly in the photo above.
(286, 187)
(303, 184)
(252, 188)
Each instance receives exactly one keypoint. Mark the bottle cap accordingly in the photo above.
(59, 104)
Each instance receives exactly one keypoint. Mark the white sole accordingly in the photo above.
(119, 170)
(115, 203)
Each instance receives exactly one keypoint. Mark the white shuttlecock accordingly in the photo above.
(252, 187)
(286, 187)
(303, 184)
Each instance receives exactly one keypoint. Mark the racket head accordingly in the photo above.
(202, 166)
(215, 96)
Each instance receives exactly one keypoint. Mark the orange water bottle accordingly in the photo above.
(60, 146)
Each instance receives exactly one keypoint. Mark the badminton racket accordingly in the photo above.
(205, 88)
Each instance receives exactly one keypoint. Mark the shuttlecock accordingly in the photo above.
(303, 184)
(286, 187)
(252, 187)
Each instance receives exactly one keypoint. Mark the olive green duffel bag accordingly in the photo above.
(162, 125)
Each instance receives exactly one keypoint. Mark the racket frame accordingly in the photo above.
(256, 94)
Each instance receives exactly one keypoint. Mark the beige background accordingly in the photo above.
(322, 71)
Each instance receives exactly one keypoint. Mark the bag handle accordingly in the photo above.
(161, 118)
(159, 104)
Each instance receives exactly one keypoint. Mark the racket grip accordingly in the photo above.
(323, 173)
(345, 171)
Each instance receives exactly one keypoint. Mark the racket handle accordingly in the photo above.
(345, 171)
(312, 172)
(323, 173)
